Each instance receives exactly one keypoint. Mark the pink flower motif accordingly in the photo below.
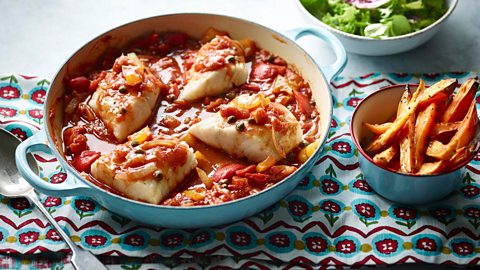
(135, 240)
(353, 102)
(19, 203)
(53, 235)
(362, 185)
(405, 213)
(85, 205)
(316, 244)
(365, 210)
(387, 246)
(95, 240)
(172, 240)
(334, 123)
(35, 113)
(470, 191)
(58, 178)
(342, 147)
(279, 240)
(426, 244)
(9, 92)
(441, 212)
(463, 248)
(330, 206)
(329, 186)
(27, 238)
(345, 246)
(22, 135)
(39, 96)
(241, 238)
(51, 201)
(298, 208)
(472, 212)
(7, 112)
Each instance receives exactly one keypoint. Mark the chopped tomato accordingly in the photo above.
(303, 102)
(248, 169)
(176, 38)
(227, 111)
(75, 140)
(265, 72)
(226, 171)
(258, 177)
(83, 162)
(238, 183)
(94, 84)
(260, 116)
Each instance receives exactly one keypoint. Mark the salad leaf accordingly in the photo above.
(377, 18)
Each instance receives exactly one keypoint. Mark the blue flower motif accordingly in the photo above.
(427, 244)
(458, 75)
(37, 95)
(172, 239)
(201, 238)
(387, 245)
(135, 241)
(95, 239)
(342, 147)
(27, 236)
(299, 208)
(346, 246)
(360, 186)
(280, 242)
(366, 210)
(401, 77)
(316, 243)
(306, 183)
(240, 238)
(462, 247)
(330, 186)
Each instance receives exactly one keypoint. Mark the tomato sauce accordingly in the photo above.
(169, 56)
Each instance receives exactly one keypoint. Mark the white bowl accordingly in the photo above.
(376, 47)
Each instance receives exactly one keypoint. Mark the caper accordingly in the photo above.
(171, 98)
(240, 126)
(135, 143)
(251, 120)
(139, 151)
(122, 89)
(231, 58)
(123, 111)
(231, 119)
(230, 95)
(303, 144)
(158, 174)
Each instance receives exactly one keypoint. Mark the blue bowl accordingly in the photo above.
(282, 44)
(399, 187)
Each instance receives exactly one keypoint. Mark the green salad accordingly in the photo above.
(377, 18)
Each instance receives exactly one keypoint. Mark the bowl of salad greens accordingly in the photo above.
(379, 27)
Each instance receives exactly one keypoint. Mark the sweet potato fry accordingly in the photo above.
(389, 135)
(407, 145)
(460, 156)
(431, 167)
(378, 129)
(423, 125)
(442, 127)
(464, 135)
(437, 92)
(384, 157)
(457, 109)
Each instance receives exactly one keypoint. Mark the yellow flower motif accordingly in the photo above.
(220, 236)
(407, 245)
(446, 250)
(115, 240)
(260, 242)
(384, 213)
(11, 239)
(75, 238)
(299, 245)
(366, 248)
(154, 242)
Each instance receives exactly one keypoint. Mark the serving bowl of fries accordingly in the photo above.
(414, 141)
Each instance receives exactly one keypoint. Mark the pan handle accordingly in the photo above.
(38, 142)
(332, 70)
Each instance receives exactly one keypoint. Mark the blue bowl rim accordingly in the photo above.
(362, 152)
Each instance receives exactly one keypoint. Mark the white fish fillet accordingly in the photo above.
(137, 106)
(146, 187)
(219, 81)
(255, 143)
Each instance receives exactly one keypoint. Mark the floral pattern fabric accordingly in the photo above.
(332, 218)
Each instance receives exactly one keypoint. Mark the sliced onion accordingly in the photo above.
(136, 173)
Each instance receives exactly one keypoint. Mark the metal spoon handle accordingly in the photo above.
(81, 259)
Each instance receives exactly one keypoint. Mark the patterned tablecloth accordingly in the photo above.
(332, 218)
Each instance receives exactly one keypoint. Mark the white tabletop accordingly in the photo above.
(36, 37)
